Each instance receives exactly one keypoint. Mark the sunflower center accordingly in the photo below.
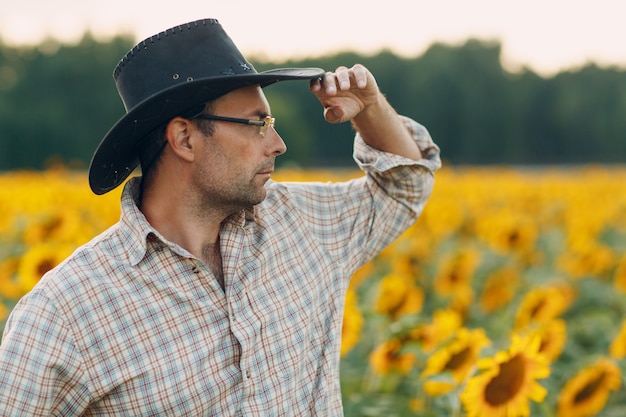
(589, 389)
(507, 383)
(514, 238)
(457, 360)
(537, 309)
(454, 276)
(44, 266)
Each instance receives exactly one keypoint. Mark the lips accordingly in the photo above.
(266, 170)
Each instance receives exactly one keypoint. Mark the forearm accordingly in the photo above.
(380, 127)
(353, 94)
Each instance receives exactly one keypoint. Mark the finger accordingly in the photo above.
(316, 84)
(343, 74)
(360, 75)
(333, 114)
(329, 83)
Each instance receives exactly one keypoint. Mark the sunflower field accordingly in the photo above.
(506, 298)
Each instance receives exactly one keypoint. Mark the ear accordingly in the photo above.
(178, 135)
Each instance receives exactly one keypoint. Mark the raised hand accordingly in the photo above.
(346, 92)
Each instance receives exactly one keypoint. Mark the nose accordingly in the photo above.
(276, 144)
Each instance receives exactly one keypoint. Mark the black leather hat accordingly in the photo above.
(166, 75)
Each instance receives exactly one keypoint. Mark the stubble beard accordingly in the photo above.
(232, 199)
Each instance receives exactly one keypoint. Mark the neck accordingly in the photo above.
(212, 257)
(197, 234)
(180, 220)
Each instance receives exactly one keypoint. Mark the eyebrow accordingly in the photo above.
(261, 113)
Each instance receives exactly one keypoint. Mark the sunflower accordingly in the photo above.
(388, 358)
(587, 392)
(499, 288)
(462, 300)
(443, 215)
(398, 295)
(435, 388)
(9, 288)
(409, 253)
(417, 405)
(509, 231)
(456, 271)
(553, 336)
(352, 323)
(4, 312)
(362, 274)
(507, 381)
(458, 356)
(408, 264)
(591, 259)
(444, 324)
(617, 348)
(60, 225)
(542, 304)
(38, 260)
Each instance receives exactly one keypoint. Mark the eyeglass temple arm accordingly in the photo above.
(233, 119)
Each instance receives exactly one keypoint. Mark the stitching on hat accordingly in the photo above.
(154, 38)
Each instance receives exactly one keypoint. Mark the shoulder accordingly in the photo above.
(85, 267)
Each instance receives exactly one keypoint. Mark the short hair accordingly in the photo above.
(150, 148)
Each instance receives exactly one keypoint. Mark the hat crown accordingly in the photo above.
(194, 51)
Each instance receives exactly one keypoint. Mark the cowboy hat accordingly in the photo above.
(166, 75)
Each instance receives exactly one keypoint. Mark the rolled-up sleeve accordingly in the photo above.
(408, 182)
(355, 220)
(372, 160)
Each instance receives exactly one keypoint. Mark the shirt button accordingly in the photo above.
(248, 374)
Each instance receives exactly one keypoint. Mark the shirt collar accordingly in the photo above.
(136, 229)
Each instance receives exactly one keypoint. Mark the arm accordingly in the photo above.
(352, 94)
(40, 369)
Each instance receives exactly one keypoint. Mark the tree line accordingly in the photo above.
(57, 101)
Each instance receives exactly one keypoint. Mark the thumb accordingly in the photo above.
(333, 114)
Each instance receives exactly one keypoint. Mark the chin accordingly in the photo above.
(257, 197)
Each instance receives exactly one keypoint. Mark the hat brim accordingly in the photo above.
(117, 155)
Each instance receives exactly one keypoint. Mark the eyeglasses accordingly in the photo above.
(266, 123)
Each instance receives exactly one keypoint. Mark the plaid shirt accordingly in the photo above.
(134, 325)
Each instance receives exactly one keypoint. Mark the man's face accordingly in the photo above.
(236, 161)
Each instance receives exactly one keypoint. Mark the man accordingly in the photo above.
(219, 292)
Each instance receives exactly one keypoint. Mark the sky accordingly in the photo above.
(546, 35)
